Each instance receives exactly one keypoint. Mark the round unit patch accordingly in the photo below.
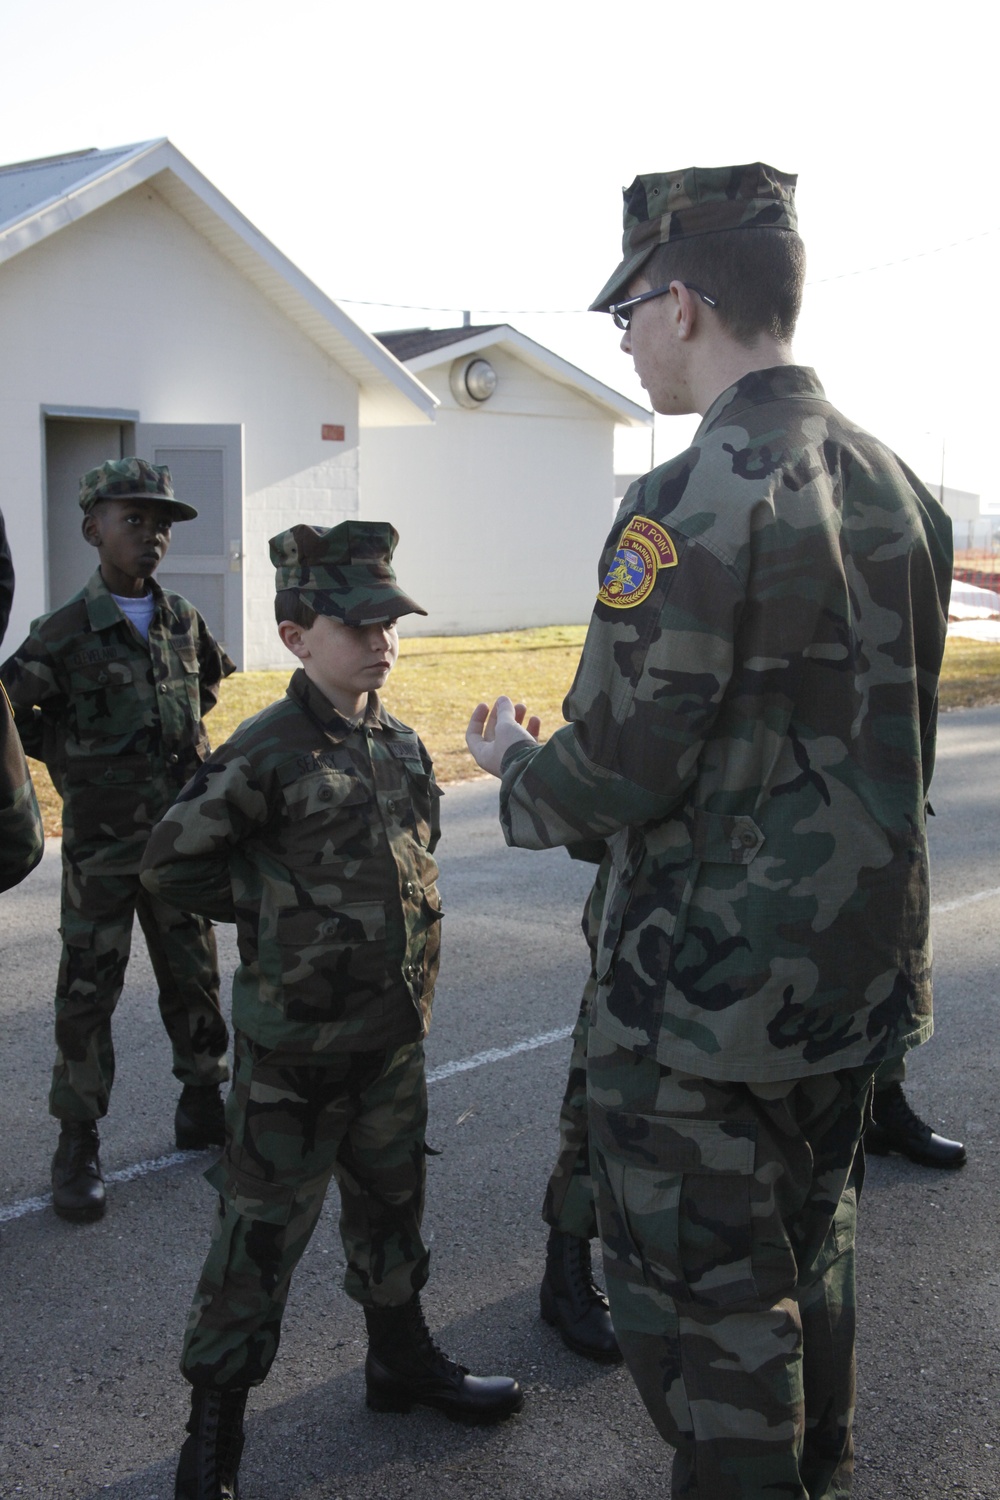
(643, 548)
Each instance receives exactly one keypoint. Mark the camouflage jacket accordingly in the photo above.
(22, 841)
(752, 729)
(116, 719)
(314, 836)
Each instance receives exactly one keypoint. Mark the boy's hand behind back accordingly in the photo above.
(492, 732)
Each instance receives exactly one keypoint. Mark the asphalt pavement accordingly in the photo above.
(91, 1316)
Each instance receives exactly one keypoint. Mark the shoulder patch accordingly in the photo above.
(643, 548)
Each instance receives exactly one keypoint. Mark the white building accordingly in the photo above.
(140, 312)
(503, 504)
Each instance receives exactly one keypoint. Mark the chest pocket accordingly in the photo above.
(425, 798)
(192, 679)
(329, 818)
(102, 698)
(324, 793)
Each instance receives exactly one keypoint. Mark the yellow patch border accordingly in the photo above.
(643, 548)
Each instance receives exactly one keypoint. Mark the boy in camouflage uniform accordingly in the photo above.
(110, 691)
(751, 730)
(313, 829)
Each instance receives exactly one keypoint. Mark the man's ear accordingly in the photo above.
(688, 310)
(91, 528)
(293, 637)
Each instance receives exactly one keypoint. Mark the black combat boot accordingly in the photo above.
(210, 1458)
(77, 1179)
(200, 1117)
(405, 1368)
(575, 1307)
(896, 1126)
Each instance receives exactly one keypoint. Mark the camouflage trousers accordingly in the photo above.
(727, 1215)
(290, 1125)
(893, 1070)
(569, 1196)
(97, 918)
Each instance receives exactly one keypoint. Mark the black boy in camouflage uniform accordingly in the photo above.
(751, 730)
(116, 716)
(313, 829)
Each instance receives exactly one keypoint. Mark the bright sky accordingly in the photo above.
(452, 156)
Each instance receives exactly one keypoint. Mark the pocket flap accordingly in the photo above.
(251, 1197)
(677, 1144)
(323, 791)
(109, 770)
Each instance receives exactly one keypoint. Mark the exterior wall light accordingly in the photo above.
(472, 381)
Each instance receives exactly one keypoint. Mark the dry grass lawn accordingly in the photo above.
(438, 680)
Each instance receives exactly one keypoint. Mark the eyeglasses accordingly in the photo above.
(621, 312)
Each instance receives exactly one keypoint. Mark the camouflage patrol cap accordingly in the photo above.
(132, 479)
(343, 570)
(666, 206)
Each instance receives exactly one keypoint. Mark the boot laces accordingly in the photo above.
(220, 1427)
(423, 1341)
(83, 1147)
(900, 1115)
(579, 1272)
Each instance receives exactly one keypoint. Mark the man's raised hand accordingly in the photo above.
(492, 731)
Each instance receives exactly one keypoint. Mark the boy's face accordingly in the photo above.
(133, 537)
(346, 662)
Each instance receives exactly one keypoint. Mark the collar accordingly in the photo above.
(779, 383)
(335, 725)
(102, 610)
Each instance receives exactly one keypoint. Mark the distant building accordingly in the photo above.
(504, 503)
(961, 505)
(140, 311)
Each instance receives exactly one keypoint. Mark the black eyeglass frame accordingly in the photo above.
(622, 319)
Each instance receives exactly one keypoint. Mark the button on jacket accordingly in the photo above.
(315, 836)
(752, 729)
(116, 719)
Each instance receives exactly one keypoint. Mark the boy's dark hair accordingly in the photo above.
(290, 605)
(756, 276)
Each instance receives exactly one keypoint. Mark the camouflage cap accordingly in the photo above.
(666, 206)
(343, 570)
(132, 479)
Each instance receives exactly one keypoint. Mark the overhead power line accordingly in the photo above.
(903, 260)
(565, 312)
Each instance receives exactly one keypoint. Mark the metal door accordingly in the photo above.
(205, 561)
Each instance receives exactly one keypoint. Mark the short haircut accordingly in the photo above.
(290, 605)
(756, 275)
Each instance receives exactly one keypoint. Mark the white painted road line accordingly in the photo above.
(497, 1054)
(25, 1206)
(947, 906)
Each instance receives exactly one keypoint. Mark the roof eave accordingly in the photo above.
(627, 413)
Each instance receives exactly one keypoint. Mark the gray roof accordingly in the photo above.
(422, 349)
(407, 343)
(40, 198)
(26, 185)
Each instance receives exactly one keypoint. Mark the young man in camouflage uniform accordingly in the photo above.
(752, 731)
(313, 829)
(110, 691)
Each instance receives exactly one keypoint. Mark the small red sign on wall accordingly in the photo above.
(332, 434)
